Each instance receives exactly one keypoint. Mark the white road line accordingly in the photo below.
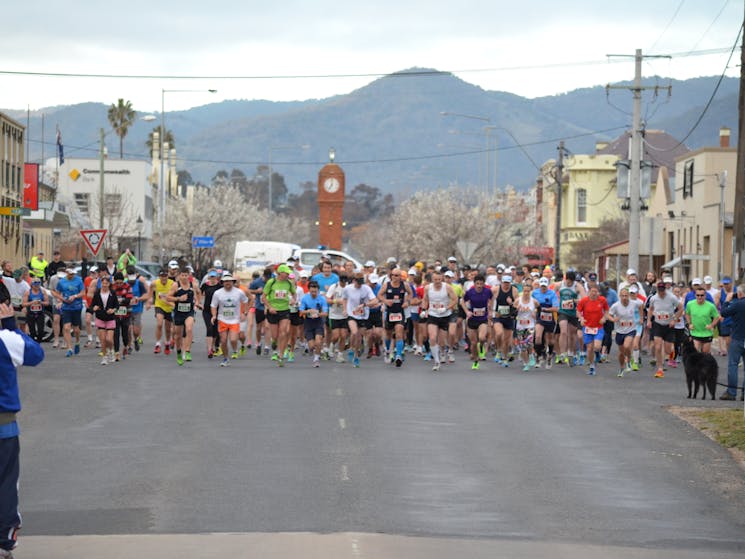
(342, 423)
(344, 472)
(339, 392)
(356, 548)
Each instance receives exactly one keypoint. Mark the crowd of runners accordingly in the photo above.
(512, 316)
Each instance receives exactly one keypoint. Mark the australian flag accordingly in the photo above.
(60, 149)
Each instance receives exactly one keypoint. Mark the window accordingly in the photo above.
(688, 179)
(581, 205)
(113, 204)
(82, 200)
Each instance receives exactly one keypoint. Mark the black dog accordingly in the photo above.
(701, 369)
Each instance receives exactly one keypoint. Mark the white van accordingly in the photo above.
(309, 257)
(251, 256)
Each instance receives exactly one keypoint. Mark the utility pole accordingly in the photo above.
(738, 226)
(557, 233)
(635, 202)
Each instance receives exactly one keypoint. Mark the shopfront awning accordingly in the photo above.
(678, 260)
(672, 263)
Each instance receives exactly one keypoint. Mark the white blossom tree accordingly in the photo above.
(221, 212)
(430, 224)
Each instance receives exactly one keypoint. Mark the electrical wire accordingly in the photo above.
(669, 23)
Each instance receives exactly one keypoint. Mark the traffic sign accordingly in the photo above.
(11, 210)
(94, 238)
(202, 242)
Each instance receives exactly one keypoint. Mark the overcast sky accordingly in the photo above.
(529, 47)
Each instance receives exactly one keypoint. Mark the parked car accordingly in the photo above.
(309, 257)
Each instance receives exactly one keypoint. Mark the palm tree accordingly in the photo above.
(169, 138)
(121, 117)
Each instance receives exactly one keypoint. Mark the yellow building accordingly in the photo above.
(11, 183)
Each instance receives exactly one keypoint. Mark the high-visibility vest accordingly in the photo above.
(38, 267)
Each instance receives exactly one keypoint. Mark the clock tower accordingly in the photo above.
(330, 204)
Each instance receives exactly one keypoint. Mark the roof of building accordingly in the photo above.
(659, 147)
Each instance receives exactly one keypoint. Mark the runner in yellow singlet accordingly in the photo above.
(163, 309)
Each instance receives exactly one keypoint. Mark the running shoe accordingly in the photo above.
(316, 363)
(291, 357)
(549, 362)
(451, 357)
(673, 363)
(591, 372)
(565, 359)
(258, 350)
(659, 374)
(280, 362)
(428, 357)
(275, 356)
(242, 350)
(89, 343)
(634, 366)
(69, 353)
(55, 345)
(104, 361)
(537, 363)
(356, 361)
(399, 360)
(218, 352)
(224, 362)
(350, 355)
(286, 354)
(187, 356)
(339, 357)
(179, 358)
(505, 364)
(167, 350)
(526, 367)
(234, 355)
(557, 359)
(137, 344)
(475, 366)
(210, 353)
(531, 361)
(117, 356)
(436, 366)
(620, 373)
(266, 351)
(101, 353)
(77, 349)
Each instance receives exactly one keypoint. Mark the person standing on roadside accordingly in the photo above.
(733, 306)
(16, 349)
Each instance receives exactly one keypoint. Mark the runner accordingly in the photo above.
(210, 286)
(103, 306)
(624, 314)
(90, 288)
(546, 327)
(505, 297)
(69, 292)
(639, 321)
(163, 309)
(314, 309)
(34, 302)
(278, 294)
(569, 292)
(225, 309)
(593, 312)
(455, 330)
(439, 301)
(476, 303)
(527, 310)
(123, 293)
(665, 309)
(396, 296)
(139, 296)
(358, 298)
(702, 317)
(337, 320)
(185, 296)
(256, 288)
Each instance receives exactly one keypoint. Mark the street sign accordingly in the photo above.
(467, 249)
(94, 238)
(9, 210)
(202, 242)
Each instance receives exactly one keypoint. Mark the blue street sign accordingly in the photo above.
(203, 242)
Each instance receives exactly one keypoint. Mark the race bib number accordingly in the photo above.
(438, 306)
(591, 331)
(567, 305)
(503, 310)
(121, 311)
(395, 317)
(228, 313)
(525, 322)
(479, 312)
(280, 294)
(16, 301)
(183, 307)
(35, 306)
(626, 323)
(662, 316)
(547, 316)
(312, 313)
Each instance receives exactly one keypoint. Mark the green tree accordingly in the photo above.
(169, 138)
(121, 117)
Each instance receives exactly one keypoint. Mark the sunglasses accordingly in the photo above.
(697, 295)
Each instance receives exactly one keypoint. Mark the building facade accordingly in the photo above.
(12, 134)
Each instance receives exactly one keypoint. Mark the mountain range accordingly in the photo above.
(401, 132)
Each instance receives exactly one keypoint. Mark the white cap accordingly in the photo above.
(373, 278)
(507, 278)
(412, 271)
(391, 260)
(500, 267)
(667, 279)
(708, 279)
(534, 274)
(543, 281)
(218, 264)
(696, 281)
(304, 274)
(452, 259)
(173, 264)
(227, 277)
(369, 264)
(450, 274)
(633, 289)
(631, 272)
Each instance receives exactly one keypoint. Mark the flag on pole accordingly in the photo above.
(60, 149)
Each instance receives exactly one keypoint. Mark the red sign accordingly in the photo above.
(94, 239)
(31, 186)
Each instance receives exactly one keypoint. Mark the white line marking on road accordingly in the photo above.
(342, 423)
(339, 392)
(356, 548)
(344, 472)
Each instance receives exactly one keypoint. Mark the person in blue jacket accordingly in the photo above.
(16, 349)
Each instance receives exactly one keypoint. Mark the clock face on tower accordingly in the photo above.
(331, 185)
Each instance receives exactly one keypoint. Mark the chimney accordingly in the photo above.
(599, 146)
(724, 137)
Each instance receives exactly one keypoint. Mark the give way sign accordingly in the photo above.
(94, 238)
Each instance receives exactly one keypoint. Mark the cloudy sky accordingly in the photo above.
(314, 49)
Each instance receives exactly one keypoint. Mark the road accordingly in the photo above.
(371, 462)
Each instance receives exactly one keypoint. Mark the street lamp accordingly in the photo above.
(140, 224)
(271, 185)
(161, 178)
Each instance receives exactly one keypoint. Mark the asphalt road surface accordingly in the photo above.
(151, 458)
